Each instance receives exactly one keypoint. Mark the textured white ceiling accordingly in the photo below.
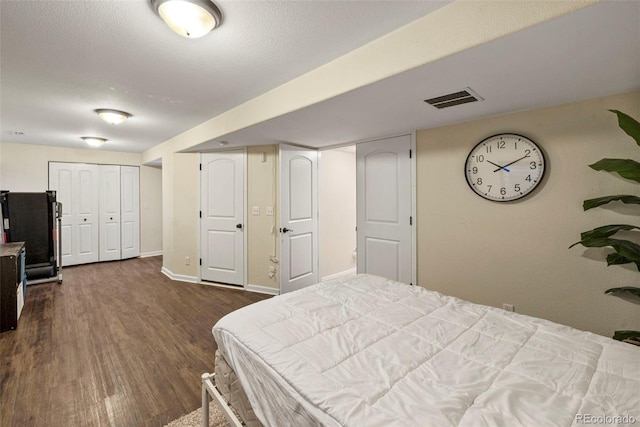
(60, 60)
(587, 54)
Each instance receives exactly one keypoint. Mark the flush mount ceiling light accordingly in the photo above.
(189, 18)
(93, 141)
(113, 117)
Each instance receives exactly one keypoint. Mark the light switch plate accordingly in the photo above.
(255, 210)
(269, 211)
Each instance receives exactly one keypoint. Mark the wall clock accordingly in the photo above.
(504, 167)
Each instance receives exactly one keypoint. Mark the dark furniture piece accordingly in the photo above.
(12, 284)
(35, 219)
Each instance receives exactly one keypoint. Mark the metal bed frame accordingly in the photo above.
(209, 390)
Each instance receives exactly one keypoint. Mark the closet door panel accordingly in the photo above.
(84, 207)
(130, 208)
(61, 177)
(109, 212)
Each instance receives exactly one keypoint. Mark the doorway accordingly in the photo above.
(222, 226)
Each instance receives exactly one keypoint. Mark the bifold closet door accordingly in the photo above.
(109, 212)
(130, 210)
(77, 187)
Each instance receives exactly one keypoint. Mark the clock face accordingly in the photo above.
(504, 167)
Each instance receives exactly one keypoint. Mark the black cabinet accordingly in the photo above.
(12, 284)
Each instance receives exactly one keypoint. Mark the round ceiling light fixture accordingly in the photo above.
(113, 117)
(93, 141)
(189, 18)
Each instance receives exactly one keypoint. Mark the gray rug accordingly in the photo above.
(194, 419)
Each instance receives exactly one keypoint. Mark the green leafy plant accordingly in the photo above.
(625, 251)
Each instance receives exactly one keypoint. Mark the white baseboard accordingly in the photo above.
(337, 275)
(192, 279)
(178, 277)
(150, 254)
(262, 289)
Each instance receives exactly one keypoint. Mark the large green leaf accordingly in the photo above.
(630, 289)
(594, 203)
(617, 259)
(629, 125)
(623, 335)
(606, 231)
(626, 168)
(625, 248)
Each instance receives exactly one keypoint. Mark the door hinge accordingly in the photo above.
(410, 153)
(200, 261)
(200, 166)
(200, 214)
(410, 220)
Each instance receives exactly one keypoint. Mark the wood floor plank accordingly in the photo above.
(117, 344)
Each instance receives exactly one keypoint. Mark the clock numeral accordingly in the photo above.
(503, 191)
(533, 165)
(479, 181)
(515, 144)
(480, 158)
(516, 188)
(501, 144)
(474, 170)
(488, 149)
(527, 152)
(528, 178)
(489, 190)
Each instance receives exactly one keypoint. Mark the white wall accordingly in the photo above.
(337, 202)
(517, 253)
(25, 167)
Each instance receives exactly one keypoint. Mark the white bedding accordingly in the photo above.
(373, 352)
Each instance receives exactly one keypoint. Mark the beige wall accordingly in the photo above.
(25, 167)
(337, 202)
(262, 239)
(517, 253)
(186, 208)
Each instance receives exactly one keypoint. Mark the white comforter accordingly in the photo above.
(373, 352)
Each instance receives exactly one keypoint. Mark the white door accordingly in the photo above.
(109, 212)
(130, 211)
(299, 218)
(222, 212)
(384, 208)
(77, 187)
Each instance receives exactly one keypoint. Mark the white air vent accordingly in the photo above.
(462, 97)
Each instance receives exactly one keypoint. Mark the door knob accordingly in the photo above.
(286, 230)
(239, 226)
(85, 219)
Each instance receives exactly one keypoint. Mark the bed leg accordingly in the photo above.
(205, 402)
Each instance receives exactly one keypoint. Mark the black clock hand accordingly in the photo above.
(509, 164)
(499, 167)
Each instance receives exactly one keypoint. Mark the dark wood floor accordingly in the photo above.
(117, 344)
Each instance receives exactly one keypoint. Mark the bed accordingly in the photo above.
(367, 351)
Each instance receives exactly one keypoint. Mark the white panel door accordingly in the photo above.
(383, 170)
(130, 211)
(222, 212)
(109, 212)
(78, 187)
(61, 179)
(299, 218)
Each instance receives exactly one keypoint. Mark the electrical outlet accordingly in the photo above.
(187, 260)
(255, 210)
(269, 211)
(272, 272)
(507, 307)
